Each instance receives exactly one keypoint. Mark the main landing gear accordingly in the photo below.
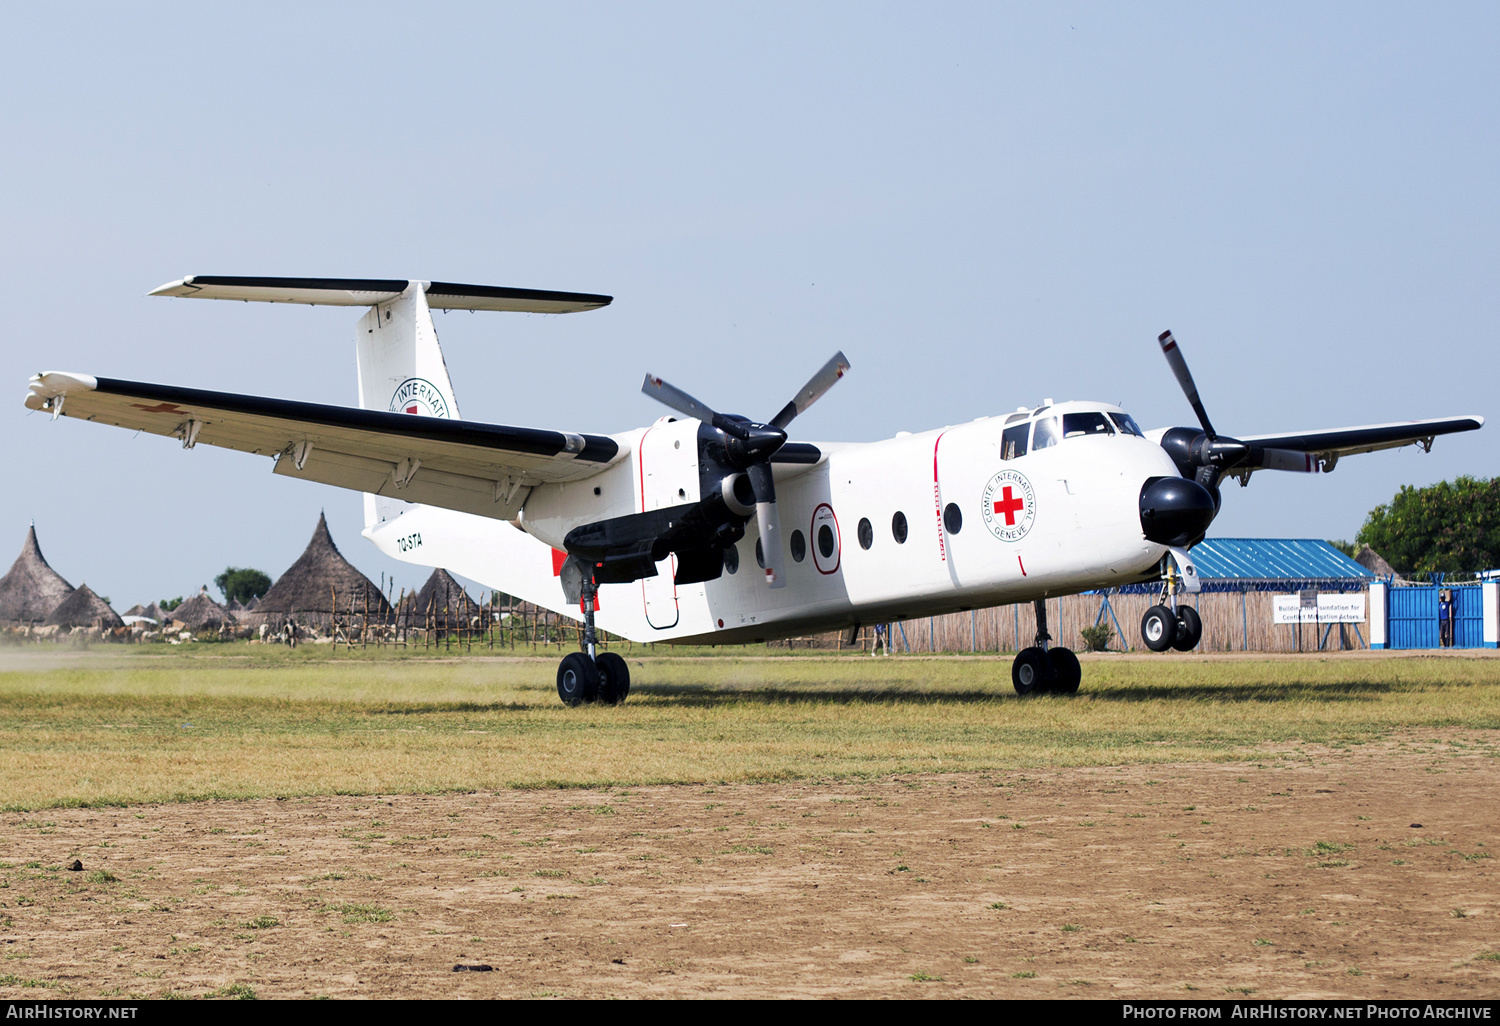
(1168, 625)
(1042, 669)
(587, 676)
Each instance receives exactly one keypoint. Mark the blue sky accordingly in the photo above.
(982, 205)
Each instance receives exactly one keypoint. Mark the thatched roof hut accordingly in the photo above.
(320, 581)
(84, 609)
(442, 599)
(1375, 563)
(31, 589)
(201, 613)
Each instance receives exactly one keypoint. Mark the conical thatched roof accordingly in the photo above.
(32, 589)
(444, 599)
(84, 609)
(1374, 562)
(201, 613)
(309, 589)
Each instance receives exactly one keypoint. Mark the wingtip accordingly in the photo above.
(173, 288)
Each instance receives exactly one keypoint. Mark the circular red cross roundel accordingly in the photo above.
(420, 397)
(1009, 506)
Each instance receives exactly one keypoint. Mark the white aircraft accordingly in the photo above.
(714, 528)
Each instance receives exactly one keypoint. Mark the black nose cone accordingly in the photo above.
(1175, 511)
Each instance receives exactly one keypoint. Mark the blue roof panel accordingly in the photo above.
(1273, 559)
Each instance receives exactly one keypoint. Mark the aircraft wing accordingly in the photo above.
(486, 469)
(1349, 441)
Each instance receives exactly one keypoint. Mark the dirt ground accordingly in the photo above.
(1345, 872)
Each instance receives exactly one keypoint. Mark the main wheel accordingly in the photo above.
(616, 678)
(1028, 674)
(1158, 628)
(1189, 629)
(577, 679)
(1066, 673)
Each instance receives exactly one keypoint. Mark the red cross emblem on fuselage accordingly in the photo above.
(1010, 506)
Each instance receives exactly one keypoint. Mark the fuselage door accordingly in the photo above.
(666, 475)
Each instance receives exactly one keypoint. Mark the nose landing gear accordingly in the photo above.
(588, 676)
(1042, 669)
(1168, 625)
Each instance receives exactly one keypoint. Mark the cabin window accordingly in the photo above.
(898, 527)
(953, 518)
(866, 533)
(1127, 425)
(1046, 434)
(826, 541)
(760, 555)
(731, 560)
(1078, 425)
(798, 546)
(1013, 441)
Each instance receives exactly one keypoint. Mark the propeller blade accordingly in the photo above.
(676, 398)
(819, 383)
(1185, 379)
(769, 522)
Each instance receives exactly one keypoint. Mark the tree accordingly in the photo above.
(1447, 527)
(242, 583)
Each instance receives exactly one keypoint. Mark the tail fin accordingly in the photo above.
(401, 370)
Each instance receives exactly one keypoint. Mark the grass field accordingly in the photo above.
(115, 725)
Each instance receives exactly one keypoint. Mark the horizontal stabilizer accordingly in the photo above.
(441, 295)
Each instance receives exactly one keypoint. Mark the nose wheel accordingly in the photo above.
(1042, 669)
(1162, 629)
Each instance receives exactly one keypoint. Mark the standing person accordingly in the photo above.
(882, 637)
(1445, 618)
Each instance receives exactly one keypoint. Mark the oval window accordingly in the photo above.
(866, 533)
(898, 527)
(731, 560)
(799, 546)
(953, 518)
(760, 555)
(825, 537)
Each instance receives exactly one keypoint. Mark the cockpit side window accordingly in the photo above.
(1013, 441)
(1127, 425)
(1046, 434)
(1077, 425)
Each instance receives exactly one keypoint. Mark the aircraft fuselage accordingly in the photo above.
(915, 525)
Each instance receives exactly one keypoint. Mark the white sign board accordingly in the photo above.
(1348, 608)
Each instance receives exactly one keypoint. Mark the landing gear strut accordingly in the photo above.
(1168, 625)
(1042, 669)
(588, 676)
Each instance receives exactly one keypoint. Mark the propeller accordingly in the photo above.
(1210, 454)
(750, 446)
(1178, 512)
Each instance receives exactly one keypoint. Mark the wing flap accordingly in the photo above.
(483, 497)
